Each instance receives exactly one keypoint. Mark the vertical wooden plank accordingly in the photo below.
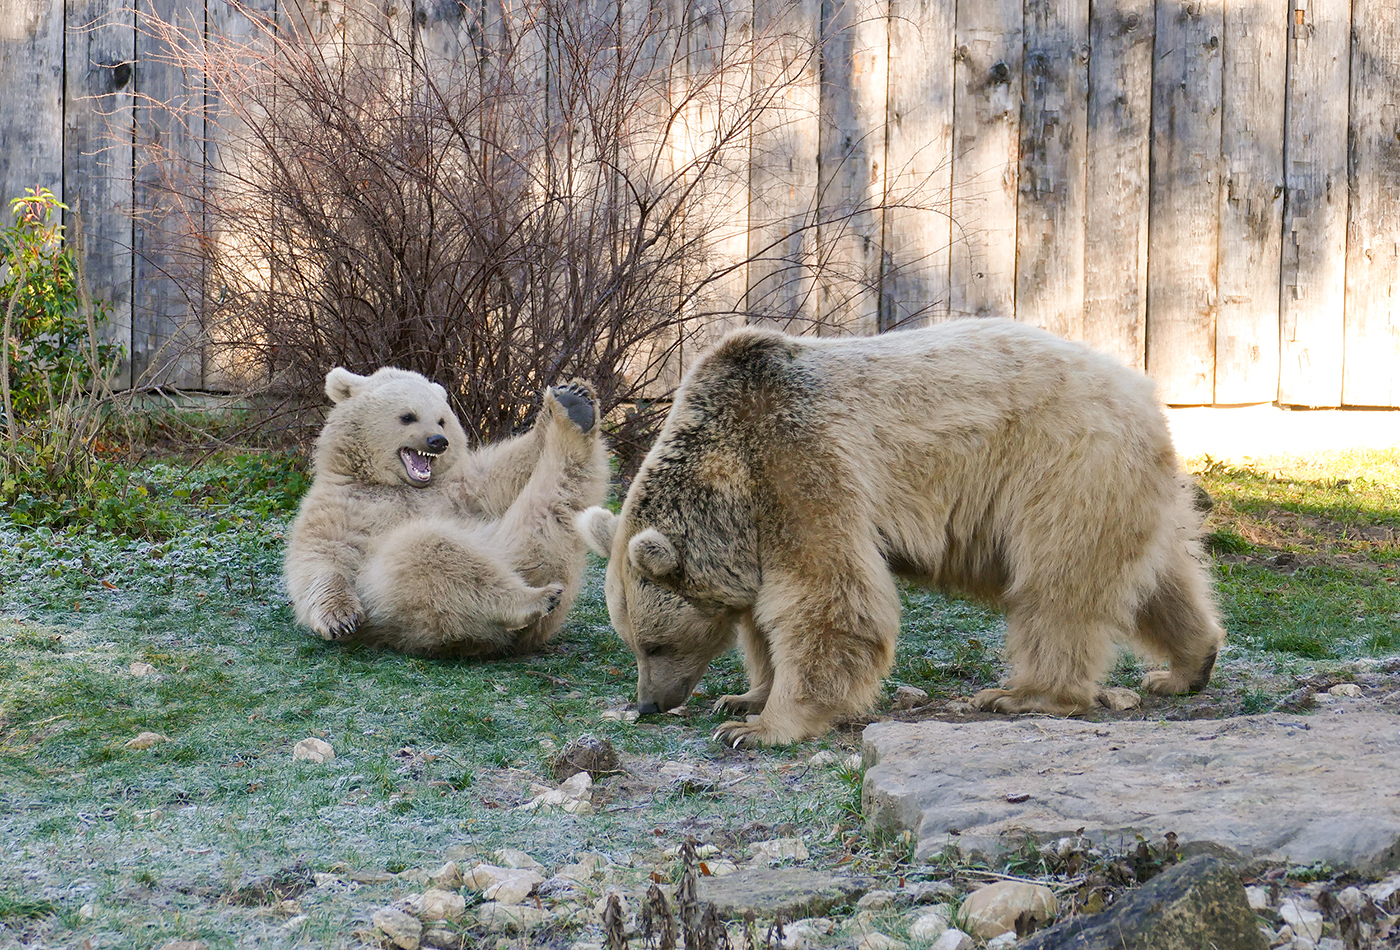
(167, 189)
(97, 115)
(1251, 200)
(783, 167)
(986, 137)
(855, 50)
(1315, 208)
(1116, 197)
(31, 77)
(240, 46)
(1184, 223)
(1054, 128)
(1371, 375)
(918, 165)
(718, 37)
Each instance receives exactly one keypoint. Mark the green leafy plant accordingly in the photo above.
(54, 366)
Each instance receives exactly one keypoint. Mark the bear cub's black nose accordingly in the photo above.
(437, 443)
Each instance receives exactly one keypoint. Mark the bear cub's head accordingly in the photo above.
(394, 427)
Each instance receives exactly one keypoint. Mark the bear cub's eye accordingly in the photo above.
(408, 418)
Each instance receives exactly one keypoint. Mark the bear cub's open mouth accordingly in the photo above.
(418, 464)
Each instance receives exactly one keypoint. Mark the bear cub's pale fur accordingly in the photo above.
(795, 478)
(410, 539)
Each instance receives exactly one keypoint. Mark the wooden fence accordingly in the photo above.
(1209, 189)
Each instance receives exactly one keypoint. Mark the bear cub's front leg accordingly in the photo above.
(335, 611)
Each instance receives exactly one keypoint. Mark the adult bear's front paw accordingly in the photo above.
(578, 403)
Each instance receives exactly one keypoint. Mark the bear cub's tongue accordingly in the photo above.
(418, 465)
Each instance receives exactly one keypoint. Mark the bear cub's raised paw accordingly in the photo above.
(578, 402)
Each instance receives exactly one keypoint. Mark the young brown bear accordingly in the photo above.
(795, 477)
(411, 540)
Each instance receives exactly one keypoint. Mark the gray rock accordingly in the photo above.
(1198, 903)
(1272, 788)
(792, 892)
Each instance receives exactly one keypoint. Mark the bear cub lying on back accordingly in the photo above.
(796, 478)
(411, 540)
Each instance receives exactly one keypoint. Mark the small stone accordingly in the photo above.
(145, 740)
(588, 754)
(780, 849)
(823, 758)
(514, 859)
(721, 867)
(288, 908)
(313, 750)
(877, 900)
(440, 938)
(953, 939)
(513, 889)
(402, 929)
(1119, 699)
(1005, 942)
(960, 706)
(932, 892)
(1331, 943)
(601, 904)
(141, 669)
(929, 925)
(1258, 897)
(1352, 900)
(992, 910)
(88, 911)
(621, 714)
(583, 869)
(1346, 690)
(1305, 923)
(808, 933)
(294, 922)
(449, 876)
(909, 697)
(879, 941)
(854, 762)
(434, 904)
(184, 945)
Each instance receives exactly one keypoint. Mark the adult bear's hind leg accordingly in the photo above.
(1180, 623)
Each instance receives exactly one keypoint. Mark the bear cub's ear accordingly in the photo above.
(341, 384)
(597, 525)
(653, 554)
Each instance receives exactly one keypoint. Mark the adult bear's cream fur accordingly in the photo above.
(410, 539)
(795, 477)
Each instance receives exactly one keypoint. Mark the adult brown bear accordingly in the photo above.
(796, 477)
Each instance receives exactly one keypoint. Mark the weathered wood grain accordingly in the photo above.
(1115, 199)
(31, 119)
(986, 137)
(1251, 201)
(1054, 134)
(718, 36)
(101, 53)
(1315, 207)
(851, 182)
(1184, 227)
(167, 190)
(783, 166)
(918, 165)
(1371, 375)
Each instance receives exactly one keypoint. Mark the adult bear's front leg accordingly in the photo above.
(830, 649)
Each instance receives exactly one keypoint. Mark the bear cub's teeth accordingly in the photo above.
(418, 465)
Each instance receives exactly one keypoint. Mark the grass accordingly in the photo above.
(131, 848)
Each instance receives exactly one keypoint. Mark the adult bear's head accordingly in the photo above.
(394, 427)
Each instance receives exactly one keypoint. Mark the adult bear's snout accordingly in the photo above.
(648, 709)
(437, 443)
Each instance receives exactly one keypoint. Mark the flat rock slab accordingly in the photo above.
(1271, 788)
(792, 892)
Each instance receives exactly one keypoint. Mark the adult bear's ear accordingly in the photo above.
(597, 525)
(341, 384)
(652, 553)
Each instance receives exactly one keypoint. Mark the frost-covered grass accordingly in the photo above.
(130, 848)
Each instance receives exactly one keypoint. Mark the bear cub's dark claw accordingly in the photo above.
(578, 403)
